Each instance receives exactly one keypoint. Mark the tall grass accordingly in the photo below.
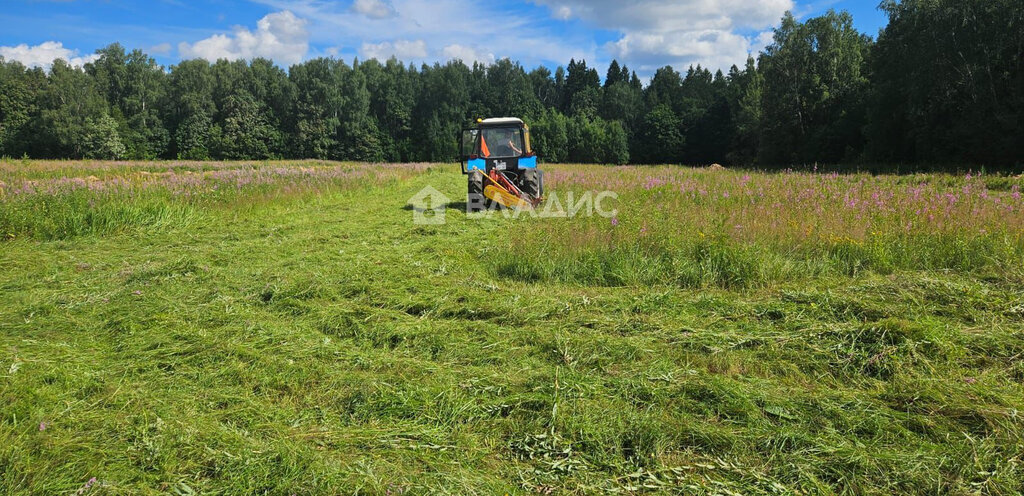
(734, 229)
(62, 199)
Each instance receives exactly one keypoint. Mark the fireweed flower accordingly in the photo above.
(87, 485)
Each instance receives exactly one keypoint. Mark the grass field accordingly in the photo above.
(285, 328)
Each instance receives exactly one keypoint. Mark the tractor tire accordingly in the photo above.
(532, 183)
(475, 199)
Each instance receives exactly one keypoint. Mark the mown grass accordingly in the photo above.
(318, 342)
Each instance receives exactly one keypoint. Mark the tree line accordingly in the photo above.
(942, 84)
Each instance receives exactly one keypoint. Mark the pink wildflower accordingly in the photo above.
(86, 487)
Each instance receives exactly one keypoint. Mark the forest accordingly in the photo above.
(942, 85)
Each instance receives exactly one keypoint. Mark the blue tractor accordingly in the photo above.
(500, 166)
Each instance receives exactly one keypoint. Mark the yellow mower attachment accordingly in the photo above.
(507, 194)
(505, 198)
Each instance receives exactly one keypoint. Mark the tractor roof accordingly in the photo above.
(500, 121)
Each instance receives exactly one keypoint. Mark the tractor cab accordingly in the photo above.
(498, 143)
(501, 166)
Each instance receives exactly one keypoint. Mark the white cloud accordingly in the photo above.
(281, 36)
(402, 49)
(467, 54)
(43, 54)
(762, 40)
(470, 30)
(653, 33)
(374, 9)
(161, 49)
(673, 15)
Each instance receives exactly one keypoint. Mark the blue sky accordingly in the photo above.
(644, 34)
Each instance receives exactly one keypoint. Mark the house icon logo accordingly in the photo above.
(428, 206)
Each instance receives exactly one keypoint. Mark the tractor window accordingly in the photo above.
(501, 142)
(468, 141)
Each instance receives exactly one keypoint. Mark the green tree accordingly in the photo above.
(582, 91)
(69, 101)
(510, 92)
(357, 133)
(19, 88)
(544, 87)
(659, 139)
(393, 93)
(274, 96)
(814, 88)
(665, 89)
(548, 136)
(193, 107)
(245, 132)
(622, 102)
(317, 99)
(747, 86)
(135, 87)
(441, 112)
(615, 147)
(948, 83)
(101, 140)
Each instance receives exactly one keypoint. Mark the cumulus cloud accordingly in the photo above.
(713, 33)
(709, 48)
(466, 29)
(467, 54)
(280, 36)
(43, 54)
(374, 9)
(402, 49)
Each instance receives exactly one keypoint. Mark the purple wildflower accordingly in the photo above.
(86, 487)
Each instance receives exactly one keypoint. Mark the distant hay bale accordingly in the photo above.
(716, 167)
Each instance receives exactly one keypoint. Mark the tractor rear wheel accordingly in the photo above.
(531, 183)
(475, 200)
